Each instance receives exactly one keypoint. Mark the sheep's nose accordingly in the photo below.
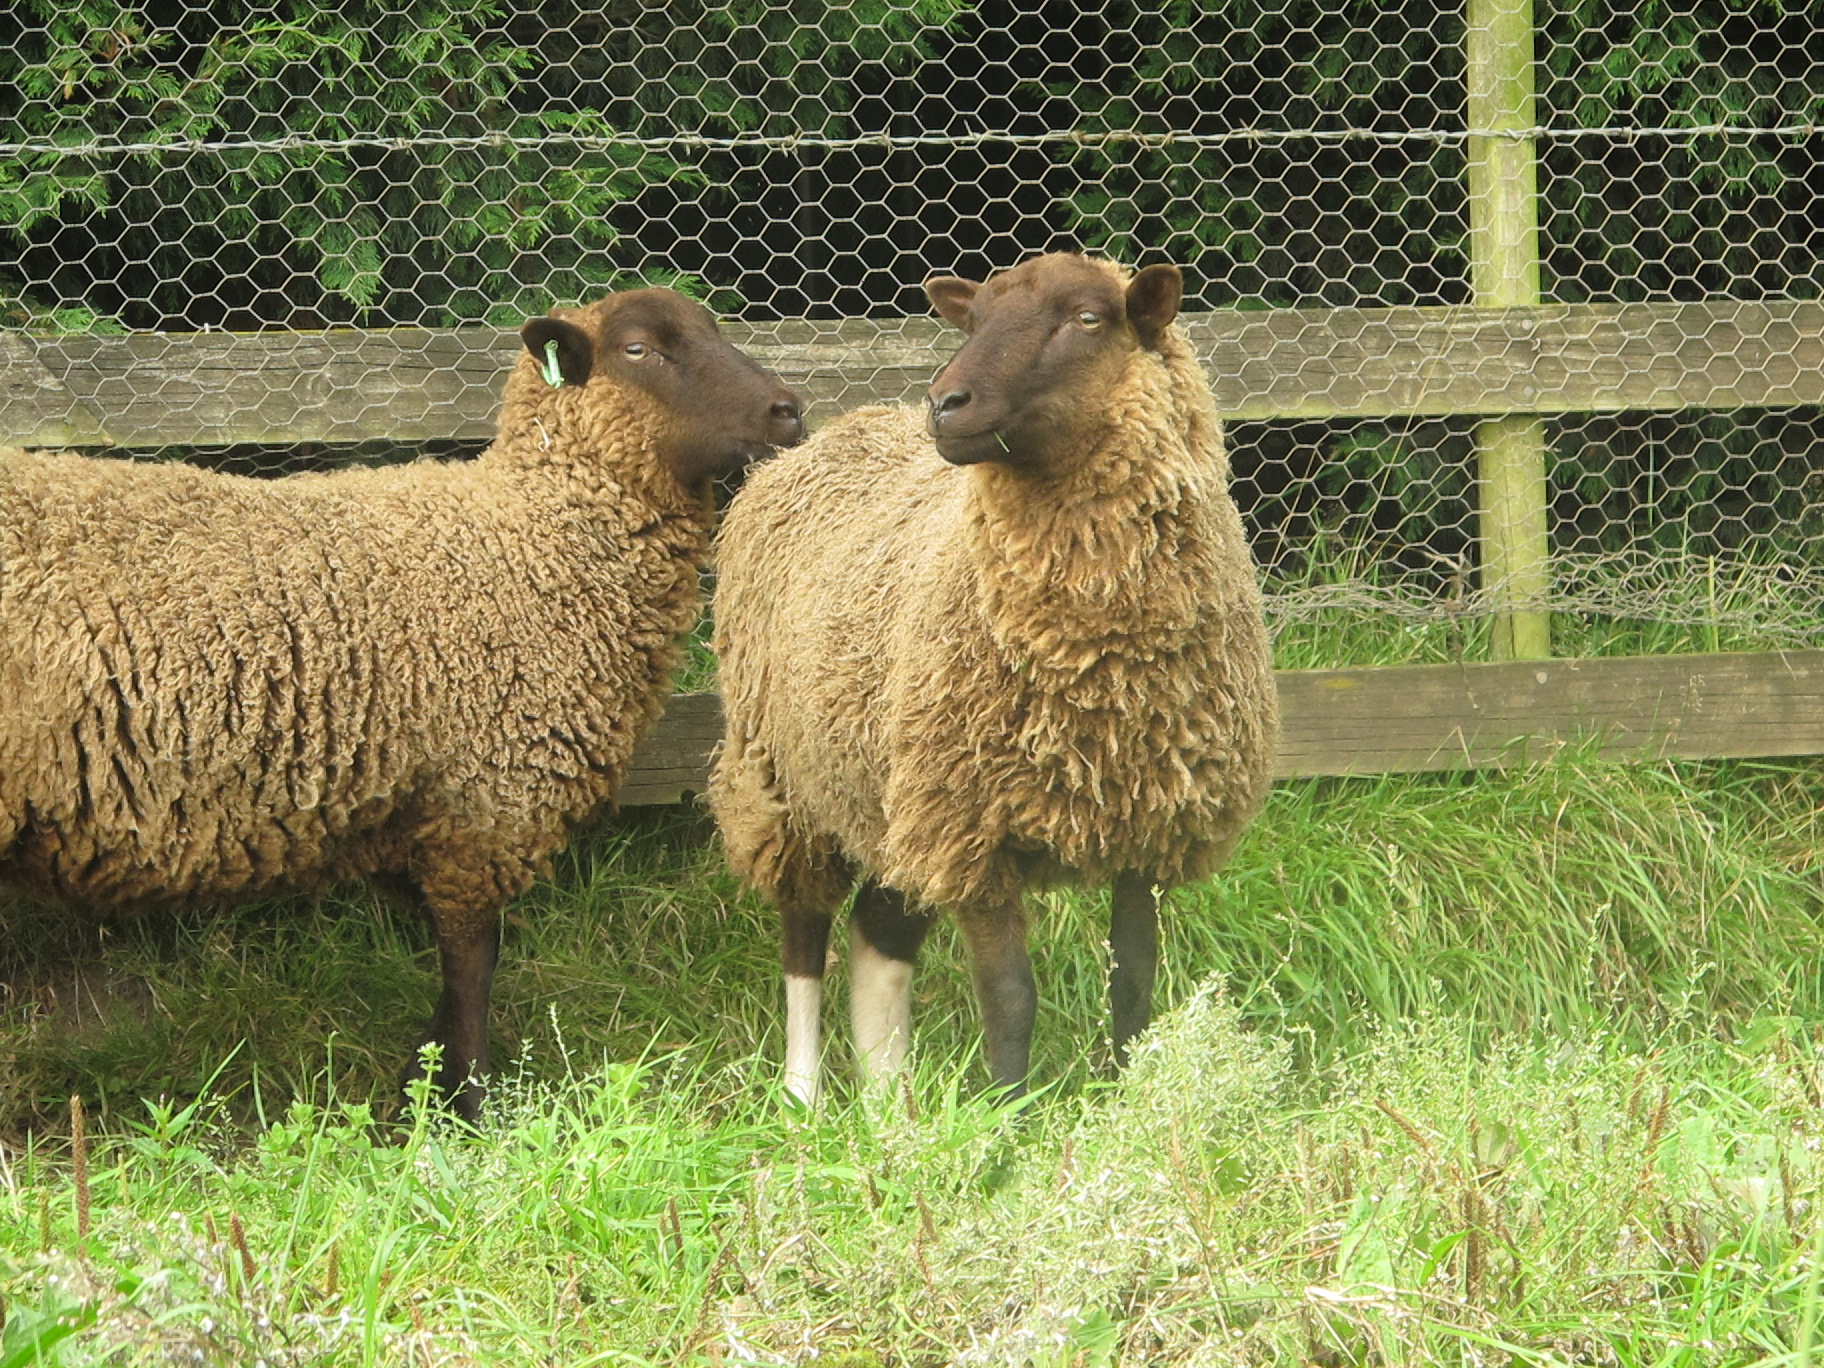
(943, 405)
(790, 421)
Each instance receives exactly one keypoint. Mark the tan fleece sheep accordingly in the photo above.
(213, 686)
(1039, 656)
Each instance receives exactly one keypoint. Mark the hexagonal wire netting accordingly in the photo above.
(454, 165)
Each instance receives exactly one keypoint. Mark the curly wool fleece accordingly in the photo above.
(960, 681)
(211, 685)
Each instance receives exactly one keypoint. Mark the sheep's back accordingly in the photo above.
(234, 684)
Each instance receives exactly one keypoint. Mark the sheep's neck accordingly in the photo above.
(604, 477)
(601, 463)
(1124, 557)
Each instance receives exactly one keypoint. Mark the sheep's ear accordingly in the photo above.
(951, 297)
(1152, 301)
(575, 350)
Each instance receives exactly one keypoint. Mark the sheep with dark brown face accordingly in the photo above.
(212, 687)
(1014, 637)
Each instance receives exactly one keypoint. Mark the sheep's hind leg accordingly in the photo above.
(884, 936)
(996, 936)
(468, 944)
(1133, 957)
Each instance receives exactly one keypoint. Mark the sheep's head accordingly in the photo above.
(717, 407)
(1046, 341)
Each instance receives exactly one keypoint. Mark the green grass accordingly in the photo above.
(1517, 1067)
(1427, 1202)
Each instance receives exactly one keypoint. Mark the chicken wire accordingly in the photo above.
(454, 164)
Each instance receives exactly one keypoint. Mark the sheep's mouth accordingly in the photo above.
(746, 453)
(972, 448)
(779, 436)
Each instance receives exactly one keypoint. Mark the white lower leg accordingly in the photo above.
(880, 1006)
(803, 1051)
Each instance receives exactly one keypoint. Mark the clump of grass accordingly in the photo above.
(329, 1237)
(1529, 898)
(1427, 1199)
(1584, 1202)
(1348, 602)
(698, 673)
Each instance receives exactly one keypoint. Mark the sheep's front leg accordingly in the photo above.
(1133, 957)
(807, 883)
(468, 944)
(884, 936)
(996, 936)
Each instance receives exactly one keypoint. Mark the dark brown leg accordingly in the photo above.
(996, 937)
(804, 941)
(1133, 955)
(467, 946)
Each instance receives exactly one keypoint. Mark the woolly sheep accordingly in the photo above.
(1039, 657)
(212, 686)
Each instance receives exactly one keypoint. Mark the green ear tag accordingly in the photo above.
(553, 376)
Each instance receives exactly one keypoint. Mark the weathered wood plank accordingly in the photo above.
(1553, 359)
(1416, 718)
(347, 385)
(1437, 717)
(416, 384)
(38, 409)
(671, 762)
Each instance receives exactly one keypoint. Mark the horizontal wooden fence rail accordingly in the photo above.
(406, 384)
(1410, 718)
(415, 384)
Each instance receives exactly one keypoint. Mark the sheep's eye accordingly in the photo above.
(636, 350)
(1089, 320)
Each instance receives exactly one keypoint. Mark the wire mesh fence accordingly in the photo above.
(176, 168)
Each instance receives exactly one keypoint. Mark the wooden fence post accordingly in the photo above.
(1503, 183)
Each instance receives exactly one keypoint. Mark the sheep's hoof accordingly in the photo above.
(429, 1081)
(799, 1096)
